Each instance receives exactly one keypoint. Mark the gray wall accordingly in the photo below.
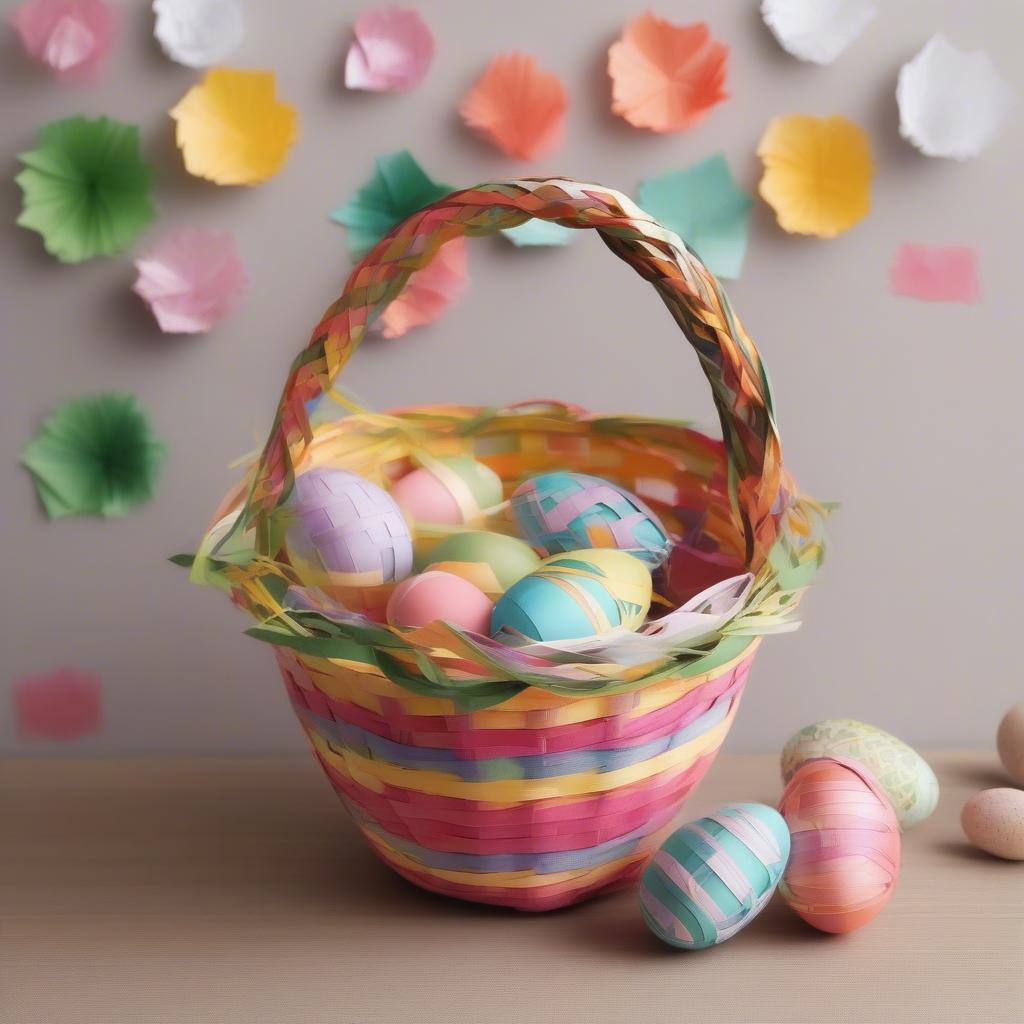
(907, 413)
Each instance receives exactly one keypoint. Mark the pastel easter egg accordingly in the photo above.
(491, 561)
(453, 490)
(568, 511)
(1010, 743)
(908, 781)
(994, 821)
(346, 530)
(433, 596)
(713, 876)
(845, 855)
(575, 594)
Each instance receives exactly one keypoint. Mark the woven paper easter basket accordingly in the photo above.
(528, 777)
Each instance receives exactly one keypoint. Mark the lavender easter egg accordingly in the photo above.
(435, 595)
(346, 530)
(568, 511)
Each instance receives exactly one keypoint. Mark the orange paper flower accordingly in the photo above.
(429, 292)
(817, 174)
(520, 108)
(666, 77)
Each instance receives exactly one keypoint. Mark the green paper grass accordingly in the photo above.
(398, 188)
(94, 456)
(86, 188)
(703, 205)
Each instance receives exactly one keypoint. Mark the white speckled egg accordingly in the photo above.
(994, 821)
(1010, 743)
(908, 781)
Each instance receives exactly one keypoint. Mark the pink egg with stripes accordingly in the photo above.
(845, 845)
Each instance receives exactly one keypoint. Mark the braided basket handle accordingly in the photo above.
(730, 361)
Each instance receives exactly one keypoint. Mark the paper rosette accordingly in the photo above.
(72, 37)
(86, 188)
(199, 33)
(94, 456)
(391, 51)
(232, 129)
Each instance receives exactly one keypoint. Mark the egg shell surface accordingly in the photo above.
(452, 490)
(491, 561)
(1010, 743)
(563, 511)
(432, 596)
(908, 781)
(994, 821)
(845, 855)
(713, 876)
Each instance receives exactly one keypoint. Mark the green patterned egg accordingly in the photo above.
(905, 776)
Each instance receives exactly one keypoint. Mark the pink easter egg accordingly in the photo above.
(845, 855)
(434, 595)
(425, 499)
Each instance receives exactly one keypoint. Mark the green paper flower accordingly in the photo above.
(94, 456)
(86, 188)
(398, 188)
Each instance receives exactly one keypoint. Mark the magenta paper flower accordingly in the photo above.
(72, 37)
(62, 705)
(191, 279)
(391, 52)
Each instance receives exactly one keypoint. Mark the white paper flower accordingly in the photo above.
(952, 102)
(816, 30)
(199, 33)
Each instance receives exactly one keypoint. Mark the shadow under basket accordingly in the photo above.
(524, 777)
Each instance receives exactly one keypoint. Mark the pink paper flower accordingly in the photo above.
(939, 274)
(70, 36)
(429, 292)
(191, 279)
(63, 705)
(391, 52)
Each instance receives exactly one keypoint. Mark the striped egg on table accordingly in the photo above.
(845, 856)
(491, 561)
(563, 511)
(908, 781)
(713, 876)
(454, 490)
(575, 594)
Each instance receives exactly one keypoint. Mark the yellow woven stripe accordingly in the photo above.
(437, 783)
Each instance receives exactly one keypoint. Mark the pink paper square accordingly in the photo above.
(935, 273)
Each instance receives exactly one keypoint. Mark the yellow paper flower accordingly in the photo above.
(817, 174)
(232, 129)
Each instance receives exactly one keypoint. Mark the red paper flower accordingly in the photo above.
(63, 705)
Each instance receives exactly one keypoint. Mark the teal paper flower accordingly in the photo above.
(94, 456)
(706, 208)
(86, 188)
(534, 232)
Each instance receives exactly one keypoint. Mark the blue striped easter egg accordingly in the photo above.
(713, 876)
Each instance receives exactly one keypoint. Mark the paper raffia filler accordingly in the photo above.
(952, 102)
(704, 205)
(429, 292)
(62, 705)
(72, 37)
(391, 52)
(232, 129)
(518, 107)
(94, 456)
(86, 188)
(817, 174)
(199, 33)
(191, 279)
(817, 30)
(666, 77)
(935, 273)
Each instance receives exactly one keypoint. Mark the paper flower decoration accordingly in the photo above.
(952, 102)
(536, 232)
(706, 208)
(64, 705)
(817, 30)
(428, 292)
(391, 51)
(191, 279)
(518, 107)
(666, 77)
(72, 37)
(943, 274)
(94, 456)
(817, 174)
(399, 187)
(232, 129)
(86, 188)
(199, 33)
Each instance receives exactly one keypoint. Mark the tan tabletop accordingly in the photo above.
(212, 890)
